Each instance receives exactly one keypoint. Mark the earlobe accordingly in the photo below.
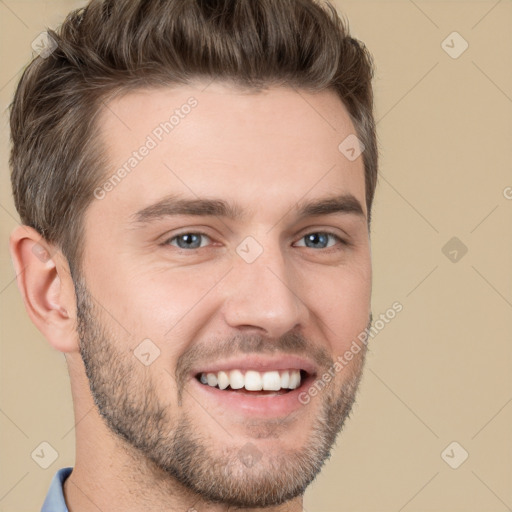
(45, 284)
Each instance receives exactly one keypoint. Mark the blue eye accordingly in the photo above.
(196, 240)
(320, 240)
(188, 240)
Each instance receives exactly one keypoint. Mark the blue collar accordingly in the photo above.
(54, 501)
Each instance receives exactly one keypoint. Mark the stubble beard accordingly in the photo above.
(127, 399)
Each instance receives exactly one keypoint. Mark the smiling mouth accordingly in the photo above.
(252, 382)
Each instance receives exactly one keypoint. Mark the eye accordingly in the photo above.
(188, 240)
(320, 240)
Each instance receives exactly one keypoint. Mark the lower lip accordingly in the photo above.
(262, 406)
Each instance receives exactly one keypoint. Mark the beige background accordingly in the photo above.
(440, 371)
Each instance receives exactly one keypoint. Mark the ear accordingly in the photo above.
(44, 280)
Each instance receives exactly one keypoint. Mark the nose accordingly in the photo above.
(263, 295)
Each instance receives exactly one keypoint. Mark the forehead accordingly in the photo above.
(277, 145)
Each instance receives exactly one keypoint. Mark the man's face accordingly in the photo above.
(181, 290)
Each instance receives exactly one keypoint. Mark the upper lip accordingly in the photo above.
(260, 364)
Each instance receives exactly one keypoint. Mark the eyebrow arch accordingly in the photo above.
(176, 205)
(346, 204)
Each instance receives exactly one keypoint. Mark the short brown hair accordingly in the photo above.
(112, 46)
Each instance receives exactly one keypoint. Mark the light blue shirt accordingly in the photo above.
(54, 501)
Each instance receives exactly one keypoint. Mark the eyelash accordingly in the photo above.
(328, 233)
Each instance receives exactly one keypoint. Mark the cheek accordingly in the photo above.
(342, 302)
(165, 301)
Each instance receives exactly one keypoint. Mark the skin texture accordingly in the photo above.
(145, 440)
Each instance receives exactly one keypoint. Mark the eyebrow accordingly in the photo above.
(176, 205)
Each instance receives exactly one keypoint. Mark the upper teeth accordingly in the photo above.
(253, 380)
